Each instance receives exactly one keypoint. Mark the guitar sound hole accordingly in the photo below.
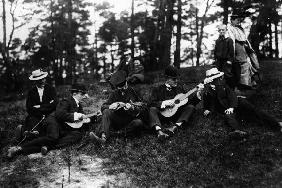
(177, 101)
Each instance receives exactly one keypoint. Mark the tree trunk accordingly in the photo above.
(270, 40)
(4, 49)
(132, 30)
(70, 46)
(197, 38)
(166, 35)
(276, 41)
(178, 34)
(225, 7)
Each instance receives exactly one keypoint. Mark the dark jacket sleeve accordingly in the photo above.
(232, 98)
(110, 100)
(230, 51)
(62, 112)
(215, 50)
(30, 102)
(155, 98)
(50, 106)
(193, 99)
(207, 100)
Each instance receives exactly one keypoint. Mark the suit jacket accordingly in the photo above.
(65, 110)
(46, 106)
(161, 93)
(219, 99)
(130, 95)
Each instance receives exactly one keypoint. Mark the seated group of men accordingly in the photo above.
(46, 126)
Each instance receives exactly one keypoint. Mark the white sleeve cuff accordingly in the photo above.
(199, 95)
(76, 116)
(163, 104)
(158, 128)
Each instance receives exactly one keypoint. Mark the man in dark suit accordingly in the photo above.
(58, 133)
(161, 98)
(219, 98)
(224, 55)
(123, 110)
(41, 101)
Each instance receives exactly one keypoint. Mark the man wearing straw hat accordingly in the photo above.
(219, 98)
(58, 133)
(41, 101)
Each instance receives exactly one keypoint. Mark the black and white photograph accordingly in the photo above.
(140, 93)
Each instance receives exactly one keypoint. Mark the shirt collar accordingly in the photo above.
(76, 101)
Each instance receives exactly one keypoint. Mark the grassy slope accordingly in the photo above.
(202, 154)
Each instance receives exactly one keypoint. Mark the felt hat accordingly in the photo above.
(238, 13)
(38, 75)
(118, 78)
(212, 74)
(78, 88)
(171, 71)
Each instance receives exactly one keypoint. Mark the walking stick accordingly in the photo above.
(32, 130)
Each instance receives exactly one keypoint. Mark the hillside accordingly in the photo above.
(202, 154)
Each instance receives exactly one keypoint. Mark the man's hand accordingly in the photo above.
(128, 106)
(229, 111)
(116, 105)
(200, 86)
(36, 106)
(206, 112)
(167, 103)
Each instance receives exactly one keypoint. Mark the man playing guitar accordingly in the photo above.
(166, 97)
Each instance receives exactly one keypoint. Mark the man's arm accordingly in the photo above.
(49, 105)
(62, 113)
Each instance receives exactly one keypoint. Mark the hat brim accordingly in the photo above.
(78, 90)
(211, 78)
(44, 75)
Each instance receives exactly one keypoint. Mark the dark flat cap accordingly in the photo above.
(171, 71)
(78, 88)
(118, 77)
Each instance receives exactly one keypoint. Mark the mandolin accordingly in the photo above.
(77, 124)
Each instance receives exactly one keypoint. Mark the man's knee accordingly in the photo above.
(154, 110)
(137, 123)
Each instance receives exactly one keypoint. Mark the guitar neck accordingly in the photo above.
(189, 93)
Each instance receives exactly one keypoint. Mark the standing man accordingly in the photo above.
(162, 97)
(41, 101)
(219, 98)
(224, 55)
(124, 110)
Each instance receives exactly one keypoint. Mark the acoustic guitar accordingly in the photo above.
(79, 123)
(178, 101)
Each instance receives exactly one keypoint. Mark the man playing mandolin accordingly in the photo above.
(170, 104)
(58, 132)
(124, 110)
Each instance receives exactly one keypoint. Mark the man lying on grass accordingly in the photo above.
(58, 131)
(167, 108)
(123, 111)
(219, 98)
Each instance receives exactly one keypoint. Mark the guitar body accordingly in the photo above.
(78, 124)
(179, 100)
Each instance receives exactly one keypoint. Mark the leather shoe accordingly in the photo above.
(96, 139)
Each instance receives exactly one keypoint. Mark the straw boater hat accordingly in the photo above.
(212, 74)
(38, 75)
